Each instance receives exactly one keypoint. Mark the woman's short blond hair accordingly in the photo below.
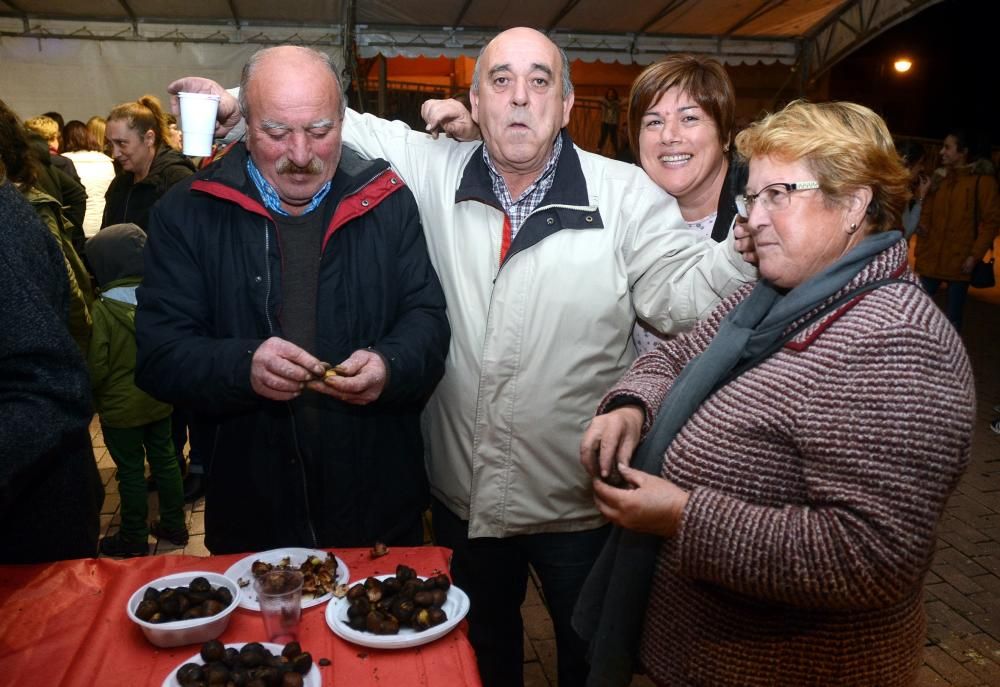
(846, 145)
(46, 127)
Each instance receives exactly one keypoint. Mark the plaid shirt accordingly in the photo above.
(270, 197)
(518, 210)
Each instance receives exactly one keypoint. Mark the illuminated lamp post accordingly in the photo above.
(902, 65)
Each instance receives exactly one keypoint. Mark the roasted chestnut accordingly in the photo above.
(190, 674)
(213, 651)
(200, 584)
(183, 603)
(405, 600)
(146, 609)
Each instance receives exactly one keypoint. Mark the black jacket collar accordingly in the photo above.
(568, 188)
(734, 184)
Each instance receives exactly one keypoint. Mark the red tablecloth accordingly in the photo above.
(65, 624)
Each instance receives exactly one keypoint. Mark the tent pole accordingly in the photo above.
(382, 69)
(348, 19)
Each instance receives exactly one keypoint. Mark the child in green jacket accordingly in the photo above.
(136, 426)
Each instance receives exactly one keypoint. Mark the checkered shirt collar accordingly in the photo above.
(519, 209)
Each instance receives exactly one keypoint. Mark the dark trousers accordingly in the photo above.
(494, 573)
(191, 429)
(955, 303)
(130, 448)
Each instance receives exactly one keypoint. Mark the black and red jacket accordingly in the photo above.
(212, 293)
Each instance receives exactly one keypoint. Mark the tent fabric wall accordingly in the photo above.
(82, 78)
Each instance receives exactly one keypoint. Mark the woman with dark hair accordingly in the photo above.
(95, 168)
(959, 219)
(770, 530)
(149, 165)
(681, 118)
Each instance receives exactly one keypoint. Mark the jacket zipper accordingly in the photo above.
(128, 197)
(267, 276)
(314, 541)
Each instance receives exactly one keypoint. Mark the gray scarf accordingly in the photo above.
(611, 608)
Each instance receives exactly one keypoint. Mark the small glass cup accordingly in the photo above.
(279, 593)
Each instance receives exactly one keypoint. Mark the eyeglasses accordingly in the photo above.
(772, 197)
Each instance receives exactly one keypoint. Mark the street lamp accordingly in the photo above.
(902, 65)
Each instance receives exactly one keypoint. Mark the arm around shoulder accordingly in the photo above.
(680, 276)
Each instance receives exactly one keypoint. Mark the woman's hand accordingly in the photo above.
(610, 439)
(651, 505)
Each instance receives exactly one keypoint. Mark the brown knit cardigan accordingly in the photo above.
(817, 480)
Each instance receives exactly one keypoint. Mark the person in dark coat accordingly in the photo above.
(61, 186)
(287, 256)
(50, 490)
(149, 166)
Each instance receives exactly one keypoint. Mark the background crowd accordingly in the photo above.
(764, 519)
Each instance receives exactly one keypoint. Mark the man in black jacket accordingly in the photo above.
(287, 256)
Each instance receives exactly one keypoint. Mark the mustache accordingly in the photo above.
(286, 166)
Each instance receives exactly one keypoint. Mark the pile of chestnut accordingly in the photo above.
(383, 606)
(197, 600)
(251, 664)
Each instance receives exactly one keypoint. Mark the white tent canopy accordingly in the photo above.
(82, 57)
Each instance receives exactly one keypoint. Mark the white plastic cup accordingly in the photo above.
(198, 111)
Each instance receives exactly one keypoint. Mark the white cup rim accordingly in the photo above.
(209, 96)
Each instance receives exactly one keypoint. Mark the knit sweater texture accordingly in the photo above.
(816, 482)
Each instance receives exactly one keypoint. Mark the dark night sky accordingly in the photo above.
(955, 46)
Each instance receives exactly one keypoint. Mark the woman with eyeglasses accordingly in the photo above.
(777, 521)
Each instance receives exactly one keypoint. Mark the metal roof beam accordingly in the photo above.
(461, 13)
(235, 13)
(667, 9)
(566, 9)
(21, 12)
(759, 12)
(850, 27)
(131, 16)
